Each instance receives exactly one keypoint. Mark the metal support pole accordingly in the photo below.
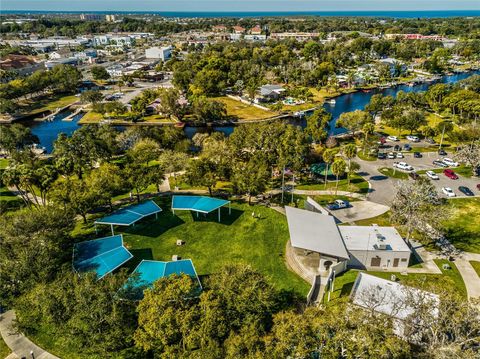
(111, 226)
(197, 214)
(96, 230)
(156, 215)
(219, 214)
(229, 209)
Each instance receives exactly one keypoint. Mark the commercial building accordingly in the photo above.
(161, 53)
(322, 244)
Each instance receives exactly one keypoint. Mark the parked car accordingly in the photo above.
(413, 138)
(407, 147)
(338, 204)
(397, 148)
(382, 141)
(450, 174)
(478, 186)
(403, 166)
(417, 155)
(391, 155)
(430, 140)
(449, 162)
(466, 191)
(392, 138)
(400, 155)
(448, 191)
(414, 175)
(439, 163)
(432, 175)
(381, 155)
(442, 152)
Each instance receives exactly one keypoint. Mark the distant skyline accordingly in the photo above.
(239, 5)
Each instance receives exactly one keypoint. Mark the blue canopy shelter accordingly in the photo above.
(102, 255)
(127, 216)
(199, 204)
(148, 271)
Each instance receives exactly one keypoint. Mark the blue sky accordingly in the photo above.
(239, 5)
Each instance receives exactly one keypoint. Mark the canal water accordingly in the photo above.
(47, 132)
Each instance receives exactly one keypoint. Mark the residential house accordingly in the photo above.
(257, 30)
(271, 92)
(21, 64)
(238, 30)
(161, 53)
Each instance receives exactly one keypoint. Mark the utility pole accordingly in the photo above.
(283, 181)
(441, 139)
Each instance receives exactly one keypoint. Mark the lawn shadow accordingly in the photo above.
(346, 289)
(138, 255)
(152, 227)
(226, 218)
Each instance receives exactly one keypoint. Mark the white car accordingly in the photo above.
(403, 166)
(449, 162)
(399, 155)
(413, 138)
(391, 155)
(392, 138)
(448, 192)
(432, 175)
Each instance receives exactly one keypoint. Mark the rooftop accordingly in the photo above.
(358, 238)
(315, 232)
(387, 297)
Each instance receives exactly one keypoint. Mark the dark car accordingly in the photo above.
(450, 174)
(465, 190)
(381, 155)
(407, 147)
(478, 186)
(397, 148)
(417, 155)
(414, 175)
(430, 140)
(442, 152)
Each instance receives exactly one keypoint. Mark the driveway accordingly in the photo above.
(359, 210)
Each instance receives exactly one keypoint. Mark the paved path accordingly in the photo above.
(469, 275)
(19, 344)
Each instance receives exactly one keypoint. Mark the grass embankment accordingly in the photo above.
(476, 266)
(239, 238)
(4, 350)
(48, 103)
(463, 224)
(238, 110)
(93, 117)
(394, 173)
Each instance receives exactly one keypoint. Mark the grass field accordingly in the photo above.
(4, 350)
(391, 172)
(476, 266)
(357, 184)
(242, 111)
(463, 226)
(239, 238)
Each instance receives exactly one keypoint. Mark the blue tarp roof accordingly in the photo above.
(148, 271)
(128, 215)
(101, 255)
(197, 203)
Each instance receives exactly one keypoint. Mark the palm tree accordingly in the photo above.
(353, 167)
(350, 79)
(328, 157)
(367, 129)
(339, 167)
(349, 151)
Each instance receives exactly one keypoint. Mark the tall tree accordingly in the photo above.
(338, 168)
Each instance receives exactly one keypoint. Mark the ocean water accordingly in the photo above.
(176, 14)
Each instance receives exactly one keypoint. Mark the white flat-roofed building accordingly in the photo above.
(161, 53)
(375, 247)
(391, 298)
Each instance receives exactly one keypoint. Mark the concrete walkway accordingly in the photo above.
(19, 344)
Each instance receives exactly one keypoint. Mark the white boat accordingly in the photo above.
(332, 101)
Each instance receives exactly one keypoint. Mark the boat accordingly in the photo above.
(331, 101)
(299, 114)
(366, 90)
(180, 124)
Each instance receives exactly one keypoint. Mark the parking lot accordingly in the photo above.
(425, 163)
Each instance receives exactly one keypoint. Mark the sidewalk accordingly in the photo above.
(19, 344)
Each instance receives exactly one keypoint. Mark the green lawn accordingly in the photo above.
(357, 184)
(242, 111)
(463, 226)
(460, 170)
(48, 103)
(239, 238)
(476, 266)
(4, 350)
(394, 173)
